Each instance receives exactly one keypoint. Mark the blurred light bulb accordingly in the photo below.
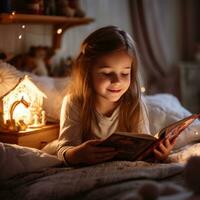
(143, 89)
(59, 31)
(13, 13)
(23, 26)
(196, 132)
(20, 37)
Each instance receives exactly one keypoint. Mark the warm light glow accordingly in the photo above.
(59, 31)
(13, 13)
(22, 113)
(22, 106)
(20, 37)
(23, 26)
(143, 89)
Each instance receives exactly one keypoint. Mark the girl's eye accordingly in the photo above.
(125, 74)
(105, 74)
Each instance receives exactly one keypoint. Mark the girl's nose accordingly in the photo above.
(115, 78)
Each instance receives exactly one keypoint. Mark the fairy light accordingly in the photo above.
(23, 26)
(13, 13)
(143, 89)
(59, 31)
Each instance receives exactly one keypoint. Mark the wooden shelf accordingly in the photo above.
(42, 19)
(32, 137)
(58, 21)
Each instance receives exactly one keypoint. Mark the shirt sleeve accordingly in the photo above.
(70, 128)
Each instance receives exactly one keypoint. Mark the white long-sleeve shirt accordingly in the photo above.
(70, 127)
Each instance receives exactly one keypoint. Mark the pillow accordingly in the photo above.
(9, 77)
(165, 109)
(54, 88)
(15, 159)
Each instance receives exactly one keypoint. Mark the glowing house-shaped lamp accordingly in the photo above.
(22, 106)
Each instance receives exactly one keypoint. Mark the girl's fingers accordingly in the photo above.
(167, 143)
(102, 158)
(104, 149)
(94, 142)
(162, 147)
(173, 141)
(158, 153)
(104, 155)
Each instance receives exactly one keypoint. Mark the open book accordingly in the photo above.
(131, 146)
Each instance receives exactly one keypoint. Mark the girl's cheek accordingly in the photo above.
(103, 79)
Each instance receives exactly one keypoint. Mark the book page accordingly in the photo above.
(128, 147)
(136, 135)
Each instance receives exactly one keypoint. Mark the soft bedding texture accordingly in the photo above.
(15, 159)
(113, 180)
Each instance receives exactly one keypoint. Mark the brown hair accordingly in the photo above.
(102, 41)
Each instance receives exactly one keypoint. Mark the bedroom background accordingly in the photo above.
(167, 35)
(166, 32)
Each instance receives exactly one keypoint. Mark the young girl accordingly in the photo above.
(103, 97)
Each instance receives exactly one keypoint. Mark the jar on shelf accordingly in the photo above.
(35, 7)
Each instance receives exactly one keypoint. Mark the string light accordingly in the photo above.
(59, 31)
(13, 13)
(20, 35)
(143, 89)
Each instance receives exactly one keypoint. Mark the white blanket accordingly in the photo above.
(15, 160)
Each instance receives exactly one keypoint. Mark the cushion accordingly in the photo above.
(9, 77)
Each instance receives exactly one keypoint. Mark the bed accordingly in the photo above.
(28, 173)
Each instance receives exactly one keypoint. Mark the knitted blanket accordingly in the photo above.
(110, 180)
(60, 183)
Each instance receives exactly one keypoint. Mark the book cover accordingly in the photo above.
(131, 146)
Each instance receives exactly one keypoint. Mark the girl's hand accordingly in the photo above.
(164, 149)
(89, 153)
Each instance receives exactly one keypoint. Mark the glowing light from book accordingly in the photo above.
(59, 31)
(22, 106)
(143, 89)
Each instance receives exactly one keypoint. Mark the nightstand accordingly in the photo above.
(32, 137)
(190, 85)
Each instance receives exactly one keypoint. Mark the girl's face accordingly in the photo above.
(111, 76)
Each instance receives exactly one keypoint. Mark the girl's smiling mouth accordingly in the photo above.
(114, 90)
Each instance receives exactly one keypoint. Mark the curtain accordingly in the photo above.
(158, 29)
